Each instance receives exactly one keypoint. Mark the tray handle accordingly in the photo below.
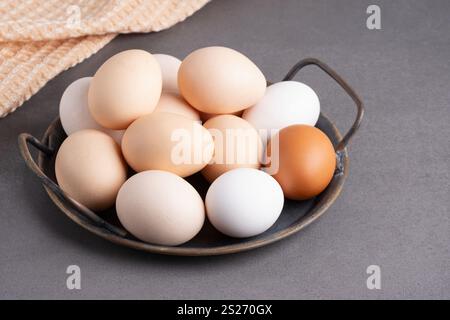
(25, 139)
(333, 74)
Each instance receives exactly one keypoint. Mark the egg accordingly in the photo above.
(220, 80)
(160, 207)
(236, 145)
(284, 104)
(304, 161)
(90, 168)
(174, 103)
(244, 202)
(126, 87)
(169, 69)
(166, 141)
(74, 112)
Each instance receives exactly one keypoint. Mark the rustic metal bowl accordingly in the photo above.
(295, 215)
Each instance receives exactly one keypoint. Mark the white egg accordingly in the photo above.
(169, 69)
(284, 103)
(74, 112)
(244, 202)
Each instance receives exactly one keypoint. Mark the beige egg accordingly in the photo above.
(220, 80)
(126, 87)
(90, 168)
(166, 141)
(160, 207)
(174, 103)
(236, 145)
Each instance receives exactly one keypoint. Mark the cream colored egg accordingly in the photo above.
(126, 87)
(160, 207)
(90, 168)
(174, 103)
(167, 141)
(169, 69)
(220, 80)
(236, 145)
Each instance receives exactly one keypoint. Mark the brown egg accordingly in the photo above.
(126, 87)
(236, 145)
(90, 168)
(306, 161)
(174, 103)
(169, 142)
(220, 80)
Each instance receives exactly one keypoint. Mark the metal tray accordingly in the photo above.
(295, 215)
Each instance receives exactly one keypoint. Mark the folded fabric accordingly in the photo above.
(41, 38)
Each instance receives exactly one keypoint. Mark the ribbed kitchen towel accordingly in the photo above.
(41, 38)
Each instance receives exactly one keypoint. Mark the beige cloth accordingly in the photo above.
(41, 38)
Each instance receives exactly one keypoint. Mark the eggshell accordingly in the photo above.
(161, 208)
(90, 168)
(174, 103)
(74, 111)
(284, 104)
(166, 141)
(220, 80)
(126, 87)
(169, 69)
(244, 202)
(236, 145)
(306, 161)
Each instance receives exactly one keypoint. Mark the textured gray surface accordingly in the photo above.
(393, 212)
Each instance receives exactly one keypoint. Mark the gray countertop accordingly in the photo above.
(393, 211)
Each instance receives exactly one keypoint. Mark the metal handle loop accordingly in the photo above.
(333, 74)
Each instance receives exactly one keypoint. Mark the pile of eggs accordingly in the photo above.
(143, 123)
